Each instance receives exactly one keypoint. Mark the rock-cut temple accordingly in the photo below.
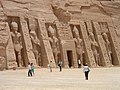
(41, 31)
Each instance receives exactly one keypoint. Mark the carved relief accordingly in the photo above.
(54, 42)
(35, 41)
(108, 46)
(64, 32)
(79, 44)
(17, 42)
(95, 47)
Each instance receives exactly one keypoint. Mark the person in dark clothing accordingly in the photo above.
(32, 69)
(29, 70)
(60, 65)
(86, 70)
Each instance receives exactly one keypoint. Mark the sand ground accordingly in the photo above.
(68, 79)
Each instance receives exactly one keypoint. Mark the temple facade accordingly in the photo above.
(40, 31)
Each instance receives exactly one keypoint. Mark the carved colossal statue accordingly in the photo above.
(17, 42)
(54, 42)
(94, 46)
(79, 44)
(35, 43)
(108, 46)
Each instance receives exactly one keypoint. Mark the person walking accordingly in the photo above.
(60, 65)
(86, 70)
(29, 70)
(32, 69)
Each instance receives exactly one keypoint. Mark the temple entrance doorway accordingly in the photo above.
(70, 58)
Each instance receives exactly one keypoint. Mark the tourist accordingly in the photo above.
(79, 63)
(60, 65)
(32, 69)
(29, 70)
(86, 70)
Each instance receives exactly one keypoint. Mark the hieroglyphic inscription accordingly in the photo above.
(64, 31)
(104, 56)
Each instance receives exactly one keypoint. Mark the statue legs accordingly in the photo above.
(109, 54)
(81, 58)
(79, 53)
(56, 58)
(19, 59)
(36, 56)
(96, 57)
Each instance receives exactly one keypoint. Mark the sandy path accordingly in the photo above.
(68, 79)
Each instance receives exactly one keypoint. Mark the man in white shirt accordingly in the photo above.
(29, 70)
(86, 70)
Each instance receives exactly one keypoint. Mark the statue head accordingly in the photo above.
(104, 26)
(75, 30)
(33, 33)
(91, 35)
(32, 27)
(32, 24)
(51, 31)
(14, 26)
(105, 36)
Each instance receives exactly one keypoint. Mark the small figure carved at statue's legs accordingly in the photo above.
(55, 53)
(56, 57)
(19, 59)
(36, 56)
(81, 58)
(99, 63)
(80, 54)
(39, 59)
(96, 57)
(109, 54)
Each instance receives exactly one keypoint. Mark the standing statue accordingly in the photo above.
(17, 42)
(2, 63)
(108, 46)
(54, 43)
(79, 44)
(35, 42)
(94, 46)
